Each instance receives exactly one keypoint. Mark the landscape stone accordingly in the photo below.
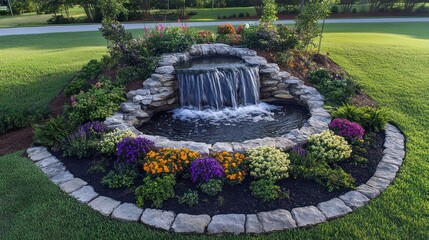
(354, 199)
(127, 212)
(73, 185)
(165, 70)
(40, 155)
(253, 225)
(227, 223)
(85, 194)
(334, 208)
(185, 223)
(306, 216)
(379, 183)
(222, 147)
(368, 191)
(46, 162)
(33, 150)
(276, 220)
(62, 178)
(150, 83)
(54, 169)
(104, 205)
(158, 218)
(392, 159)
(386, 171)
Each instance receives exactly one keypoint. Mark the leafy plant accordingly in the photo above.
(204, 169)
(107, 145)
(370, 118)
(268, 163)
(226, 29)
(205, 36)
(131, 150)
(212, 187)
(328, 147)
(156, 190)
(129, 74)
(52, 133)
(190, 197)
(83, 141)
(267, 190)
(269, 12)
(120, 178)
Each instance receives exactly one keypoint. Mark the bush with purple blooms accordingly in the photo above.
(92, 127)
(204, 169)
(81, 143)
(351, 131)
(130, 150)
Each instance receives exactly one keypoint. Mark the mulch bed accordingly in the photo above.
(16, 140)
(238, 199)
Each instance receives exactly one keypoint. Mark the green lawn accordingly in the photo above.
(388, 60)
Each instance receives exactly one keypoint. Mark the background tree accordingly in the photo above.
(269, 11)
(347, 5)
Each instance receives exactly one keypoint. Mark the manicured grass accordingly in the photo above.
(388, 60)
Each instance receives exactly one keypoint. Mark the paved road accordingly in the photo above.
(95, 27)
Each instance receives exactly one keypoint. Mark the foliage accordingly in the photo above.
(336, 90)
(131, 150)
(226, 29)
(369, 118)
(268, 163)
(306, 22)
(83, 141)
(235, 165)
(351, 131)
(168, 161)
(156, 190)
(76, 85)
(99, 102)
(205, 36)
(60, 19)
(134, 53)
(212, 187)
(163, 39)
(52, 133)
(267, 190)
(121, 177)
(190, 197)
(114, 31)
(80, 83)
(107, 145)
(204, 169)
(269, 12)
(230, 39)
(265, 36)
(328, 147)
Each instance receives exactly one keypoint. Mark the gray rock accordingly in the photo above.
(284, 143)
(284, 75)
(129, 107)
(54, 169)
(334, 208)
(314, 104)
(150, 83)
(127, 212)
(162, 77)
(222, 147)
(392, 159)
(158, 218)
(379, 183)
(85, 194)
(193, 146)
(158, 104)
(354, 199)
(238, 147)
(276, 220)
(33, 150)
(168, 60)
(394, 143)
(227, 223)
(268, 83)
(46, 162)
(294, 82)
(39, 155)
(165, 70)
(283, 96)
(394, 152)
(368, 191)
(185, 223)
(161, 96)
(253, 225)
(391, 128)
(62, 178)
(386, 171)
(104, 205)
(142, 92)
(255, 60)
(306, 216)
(73, 185)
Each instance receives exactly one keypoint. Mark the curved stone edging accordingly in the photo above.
(262, 222)
(159, 93)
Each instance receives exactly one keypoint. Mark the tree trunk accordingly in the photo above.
(10, 7)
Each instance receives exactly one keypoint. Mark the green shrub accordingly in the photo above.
(107, 145)
(60, 19)
(335, 9)
(226, 29)
(370, 118)
(212, 187)
(77, 85)
(53, 133)
(120, 178)
(156, 190)
(190, 197)
(335, 90)
(328, 147)
(170, 39)
(129, 74)
(205, 36)
(99, 102)
(267, 190)
(268, 163)
(276, 38)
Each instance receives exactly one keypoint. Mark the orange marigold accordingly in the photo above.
(168, 160)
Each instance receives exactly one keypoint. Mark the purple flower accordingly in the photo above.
(298, 150)
(92, 127)
(132, 149)
(206, 168)
(351, 131)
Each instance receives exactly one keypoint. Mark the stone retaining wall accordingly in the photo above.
(263, 222)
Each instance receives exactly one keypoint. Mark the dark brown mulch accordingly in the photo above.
(16, 140)
(238, 199)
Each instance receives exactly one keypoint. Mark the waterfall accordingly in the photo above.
(218, 88)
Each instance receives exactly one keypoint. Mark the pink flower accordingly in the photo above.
(178, 20)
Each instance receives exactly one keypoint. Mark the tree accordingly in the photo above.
(89, 6)
(347, 5)
(259, 6)
(306, 23)
(269, 11)
(110, 9)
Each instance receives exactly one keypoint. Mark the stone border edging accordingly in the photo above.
(262, 222)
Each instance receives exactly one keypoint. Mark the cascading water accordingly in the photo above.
(219, 88)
